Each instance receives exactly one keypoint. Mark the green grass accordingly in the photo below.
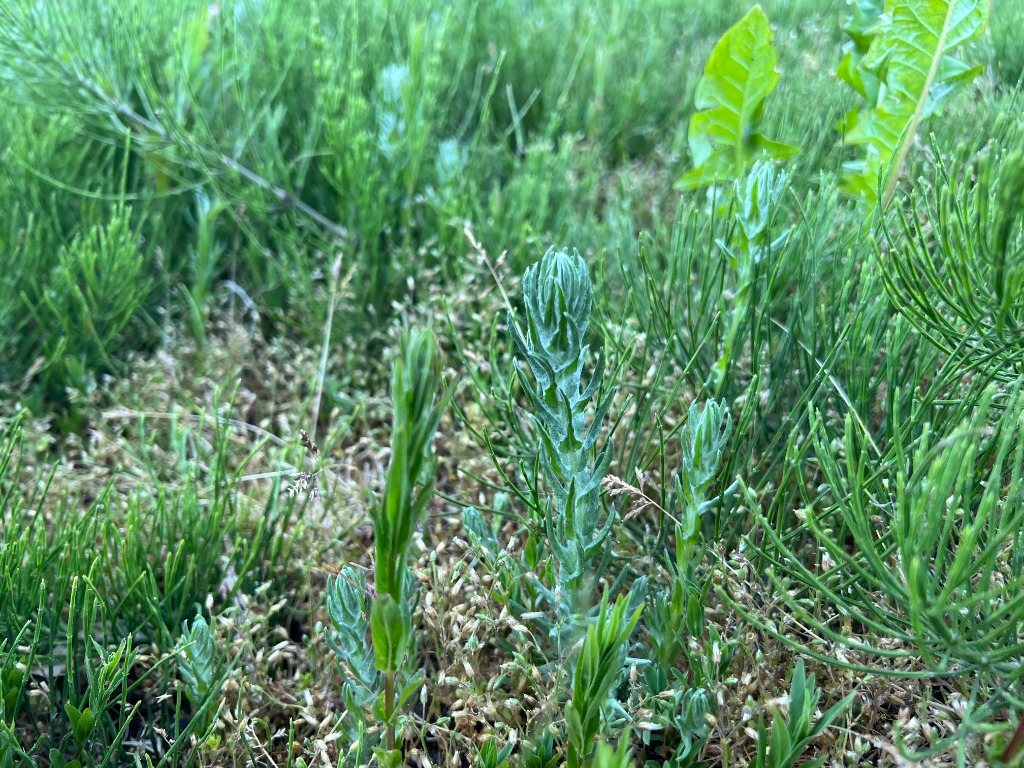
(782, 442)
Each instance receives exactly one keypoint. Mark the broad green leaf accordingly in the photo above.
(909, 55)
(762, 743)
(606, 757)
(797, 692)
(8, 745)
(11, 680)
(191, 43)
(85, 725)
(781, 744)
(82, 722)
(694, 611)
(74, 714)
(410, 688)
(832, 714)
(738, 76)
(574, 727)
(862, 29)
(390, 627)
(195, 41)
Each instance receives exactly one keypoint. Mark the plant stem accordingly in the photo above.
(335, 281)
(389, 708)
(1014, 746)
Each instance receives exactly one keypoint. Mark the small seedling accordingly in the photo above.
(791, 737)
(600, 664)
(378, 682)
(197, 664)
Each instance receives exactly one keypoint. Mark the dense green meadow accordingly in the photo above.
(516, 383)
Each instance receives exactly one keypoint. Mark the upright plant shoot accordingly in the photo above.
(559, 297)
(418, 404)
(415, 388)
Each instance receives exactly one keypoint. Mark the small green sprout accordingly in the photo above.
(790, 738)
(600, 664)
(377, 683)
(198, 661)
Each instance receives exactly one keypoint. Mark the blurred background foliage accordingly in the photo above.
(252, 141)
(157, 157)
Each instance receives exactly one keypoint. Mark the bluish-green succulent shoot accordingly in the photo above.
(703, 444)
(558, 298)
(198, 659)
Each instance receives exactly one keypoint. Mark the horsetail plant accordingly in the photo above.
(415, 390)
(963, 291)
(947, 566)
(558, 298)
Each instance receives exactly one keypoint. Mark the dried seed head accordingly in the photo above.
(309, 445)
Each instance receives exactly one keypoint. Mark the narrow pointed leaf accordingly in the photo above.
(389, 628)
